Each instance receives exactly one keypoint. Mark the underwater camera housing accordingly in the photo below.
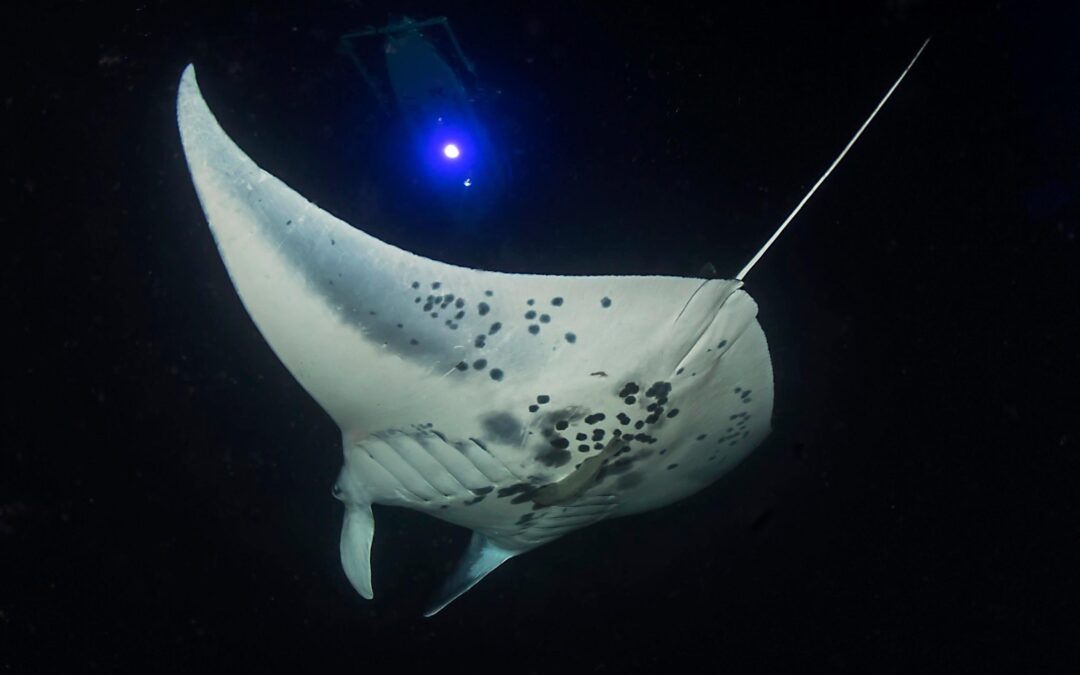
(418, 74)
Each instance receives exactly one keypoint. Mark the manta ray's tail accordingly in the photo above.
(757, 256)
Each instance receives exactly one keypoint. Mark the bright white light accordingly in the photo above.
(451, 151)
(468, 182)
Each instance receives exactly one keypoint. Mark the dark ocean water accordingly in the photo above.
(164, 482)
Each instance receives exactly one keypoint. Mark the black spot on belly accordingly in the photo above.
(583, 447)
(525, 518)
(502, 427)
(582, 437)
(516, 489)
(594, 418)
(629, 400)
(481, 341)
(553, 457)
(530, 302)
(605, 302)
(416, 284)
(534, 329)
(483, 308)
(597, 434)
(530, 315)
(494, 328)
(673, 412)
(462, 366)
(413, 342)
(628, 389)
(544, 318)
(488, 293)
(623, 418)
(480, 364)
(496, 374)
(543, 398)
(459, 303)
(672, 466)
(571, 338)
(723, 343)
(561, 425)
(560, 443)
(436, 285)
(557, 302)
(533, 408)
(701, 437)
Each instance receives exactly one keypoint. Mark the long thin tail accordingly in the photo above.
(745, 270)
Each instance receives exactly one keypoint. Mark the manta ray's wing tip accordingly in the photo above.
(188, 84)
(188, 95)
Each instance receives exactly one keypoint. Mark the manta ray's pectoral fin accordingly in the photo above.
(356, 534)
(480, 558)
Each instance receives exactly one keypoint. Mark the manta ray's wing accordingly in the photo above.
(490, 400)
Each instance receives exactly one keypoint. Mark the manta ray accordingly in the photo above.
(520, 406)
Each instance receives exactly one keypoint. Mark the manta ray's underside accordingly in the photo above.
(522, 407)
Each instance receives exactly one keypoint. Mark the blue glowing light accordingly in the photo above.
(451, 151)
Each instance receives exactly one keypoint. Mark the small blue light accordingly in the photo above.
(451, 151)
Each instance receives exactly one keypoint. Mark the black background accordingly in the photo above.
(164, 486)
